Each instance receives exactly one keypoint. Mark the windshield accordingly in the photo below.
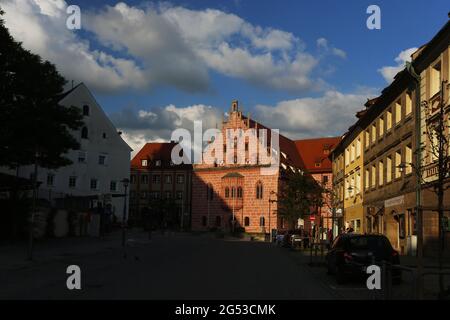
(369, 243)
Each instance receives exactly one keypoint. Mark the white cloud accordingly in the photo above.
(149, 45)
(388, 72)
(40, 25)
(157, 124)
(323, 46)
(328, 115)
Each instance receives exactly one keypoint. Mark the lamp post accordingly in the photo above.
(33, 209)
(270, 212)
(125, 182)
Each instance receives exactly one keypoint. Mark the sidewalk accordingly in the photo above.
(15, 256)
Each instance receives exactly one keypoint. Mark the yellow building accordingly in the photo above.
(348, 176)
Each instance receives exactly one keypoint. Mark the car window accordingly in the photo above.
(369, 243)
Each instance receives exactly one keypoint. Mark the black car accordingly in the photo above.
(351, 253)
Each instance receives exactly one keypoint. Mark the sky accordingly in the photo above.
(304, 67)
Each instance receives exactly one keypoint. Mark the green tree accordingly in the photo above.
(299, 194)
(32, 121)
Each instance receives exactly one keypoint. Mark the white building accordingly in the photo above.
(97, 168)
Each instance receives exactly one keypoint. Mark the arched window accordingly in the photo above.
(262, 221)
(85, 110)
(246, 221)
(239, 192)
(227, 192)
(204, 219)
(218, 221)
(84, 133)
(233, 192)
(259, 190)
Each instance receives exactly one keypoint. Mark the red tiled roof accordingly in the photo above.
(153, 151)
(311, 152)
(287, 146)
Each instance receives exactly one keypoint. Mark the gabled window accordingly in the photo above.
(259, 190)
(84, 133)
(85, 110)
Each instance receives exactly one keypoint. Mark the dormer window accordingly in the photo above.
(144, 162)
(85, 110)
(158, 163)
(317, 164)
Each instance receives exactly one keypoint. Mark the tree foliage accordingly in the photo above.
(32, 121)
(300, 195)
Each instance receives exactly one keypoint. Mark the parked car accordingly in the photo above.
(296, 239)
(351, 254)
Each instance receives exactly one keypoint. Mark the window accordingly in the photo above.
(156, 195)
(204, 221)
(358, 182)
(156, 178)
(84, 133)
(209, 191)
(82, 157)
(352, 153)
(366, 179)
(380, 127)
(144, 179)
(158, 163)
(324, 180)
(408, 104)
(346, 189)
(218, 221)
(380, 173)
(239, 192)
(94, 184)
(144, 162)
(104, 135)
(373, 176)
(132, 178)
(180, 179)
(408, 159)
(347, 157)
(389, 120)
(435, 81)
(259, 190)
(113, 186)
(401, 226)
(227, 192)
(262, 221)
(50, 179)
(398, 111)
(398, 161)
(85, 110)
(246, 221)
(102, 159)
(367, 138)
(233, 192)
(168, 179)
(388, 169)
(374, 132)
(144, 195)
(179, 195)
(168, 195)
(72, 182)
(358, 148)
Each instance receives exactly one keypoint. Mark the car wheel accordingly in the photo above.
(341, 278)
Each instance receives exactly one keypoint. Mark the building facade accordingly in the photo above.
(98, 167)
(315, 156)
(160, 190)
(228, 195)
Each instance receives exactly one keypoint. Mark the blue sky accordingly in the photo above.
(303, 66)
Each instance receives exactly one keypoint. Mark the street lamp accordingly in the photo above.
(270, 202)
(125, 182)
